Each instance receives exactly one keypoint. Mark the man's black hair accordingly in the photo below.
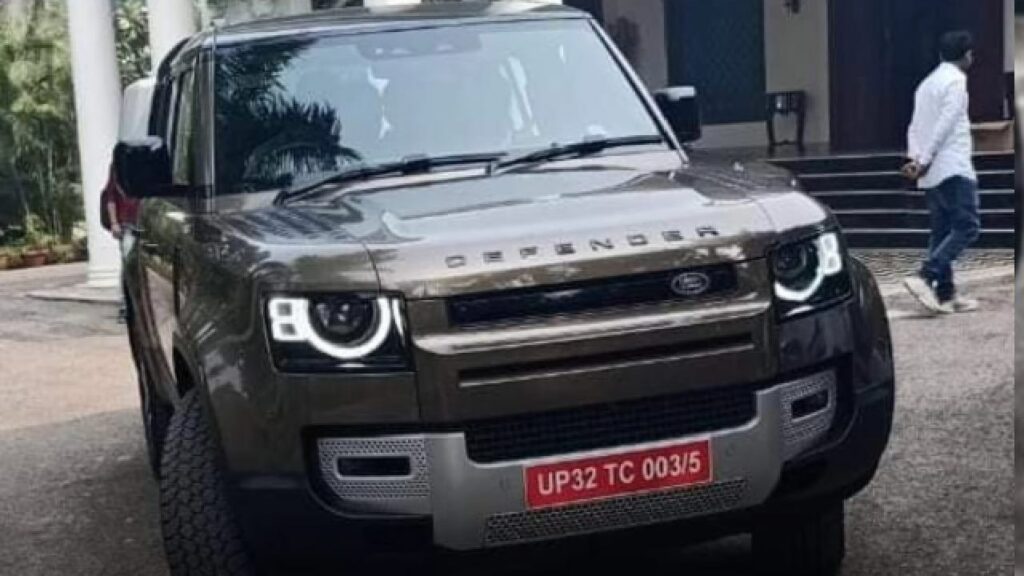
(955, 45)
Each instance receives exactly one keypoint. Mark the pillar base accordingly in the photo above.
(103, 277)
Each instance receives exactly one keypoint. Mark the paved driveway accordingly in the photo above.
(76, 497)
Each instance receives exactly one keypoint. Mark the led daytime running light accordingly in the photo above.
(289, 323)
(830, 263)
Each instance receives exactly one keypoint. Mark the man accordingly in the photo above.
(940, 152)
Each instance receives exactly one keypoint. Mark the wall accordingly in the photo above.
(638, 27)
(642, 23)
(744, 135)
(1018, 54)
(243, 10)
(1009, 43)
(797, 58)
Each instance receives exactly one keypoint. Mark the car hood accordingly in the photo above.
(431, 237)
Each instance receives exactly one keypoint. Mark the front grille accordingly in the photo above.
(586, 296)
(617, 513)
(498, 373)
(610, 425)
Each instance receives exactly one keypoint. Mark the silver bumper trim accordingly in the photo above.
(480, 505)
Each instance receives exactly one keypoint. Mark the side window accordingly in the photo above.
(163, 111)
(183, 140)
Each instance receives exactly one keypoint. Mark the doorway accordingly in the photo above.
(879, 50)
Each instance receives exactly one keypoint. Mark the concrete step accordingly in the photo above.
(904, 199)
(987, 180)
(880, 162)
(918, 238)
(872, 218)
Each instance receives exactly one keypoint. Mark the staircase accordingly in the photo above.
(879, 209)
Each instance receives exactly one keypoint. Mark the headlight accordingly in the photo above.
(336, 332)
(809, 274)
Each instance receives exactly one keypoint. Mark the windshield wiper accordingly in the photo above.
(409, 165)
(586, 147)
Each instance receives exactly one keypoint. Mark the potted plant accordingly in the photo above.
(32, 257)
(38, 244)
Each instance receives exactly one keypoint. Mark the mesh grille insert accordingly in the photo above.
(610, 425)
(640, 510)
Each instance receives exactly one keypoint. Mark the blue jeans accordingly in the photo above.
(953, 205)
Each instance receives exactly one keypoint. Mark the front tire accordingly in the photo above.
(200, 529)
(156, 414)
(803, 543)
(156, 418)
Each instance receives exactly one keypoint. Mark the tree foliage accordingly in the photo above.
(39, 164)
(38, 152)
(132, 24)
(273, 137)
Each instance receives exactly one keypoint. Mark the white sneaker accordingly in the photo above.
(920, 289)
(963, 304)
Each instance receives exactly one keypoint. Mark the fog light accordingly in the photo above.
(375, 467)
(810, 404)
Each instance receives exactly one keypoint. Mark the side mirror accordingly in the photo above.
(143, 167)
(136, 107)
(679, 105)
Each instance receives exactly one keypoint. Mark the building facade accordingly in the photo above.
(857, 62)
(854, 62)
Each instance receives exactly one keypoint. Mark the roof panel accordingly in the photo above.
(392, 17)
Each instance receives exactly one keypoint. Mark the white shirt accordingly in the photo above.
(940, 133)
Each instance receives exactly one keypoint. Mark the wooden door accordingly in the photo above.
(857, 53)
(879, 52)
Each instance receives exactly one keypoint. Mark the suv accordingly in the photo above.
(447, 272)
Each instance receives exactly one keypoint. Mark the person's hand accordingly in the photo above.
(115, 230)
(913, 170)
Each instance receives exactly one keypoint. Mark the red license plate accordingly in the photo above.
(621, 474)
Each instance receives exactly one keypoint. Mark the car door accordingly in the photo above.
(166, 223)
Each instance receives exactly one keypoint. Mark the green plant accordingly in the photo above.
(64, 253)
(38, 145)
(9, 258)
(36, 237)
(131, 19)
(81, 247)
(37, 126)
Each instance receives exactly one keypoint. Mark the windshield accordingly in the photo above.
(291, 111)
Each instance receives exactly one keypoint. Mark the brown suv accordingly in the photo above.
(447, 271)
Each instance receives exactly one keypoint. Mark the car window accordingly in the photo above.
(295, 109)
(182, 159)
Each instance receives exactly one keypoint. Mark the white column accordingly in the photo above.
(97, 104)
(169, 22)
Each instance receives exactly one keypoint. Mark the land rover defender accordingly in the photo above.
(448, 271)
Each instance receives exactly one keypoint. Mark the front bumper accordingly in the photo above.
(281, 498)
(474, 505)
